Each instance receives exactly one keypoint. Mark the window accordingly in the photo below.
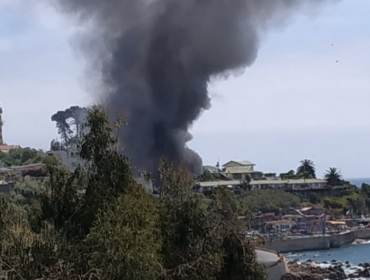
(284, 227)
(73, 164)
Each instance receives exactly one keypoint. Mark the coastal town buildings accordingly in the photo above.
(299, 185)
(292, 184)
(242, 175)
(280, 225)
(258, 221)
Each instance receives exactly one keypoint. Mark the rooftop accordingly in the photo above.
(33, 165)
(287, 182)
(242, 171)
(219, 183)
(240, 162)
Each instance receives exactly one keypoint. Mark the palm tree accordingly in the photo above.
(307, 169)
(333, 176)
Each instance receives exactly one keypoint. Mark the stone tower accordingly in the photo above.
(1, 126)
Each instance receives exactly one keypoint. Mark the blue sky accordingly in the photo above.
(295, 102)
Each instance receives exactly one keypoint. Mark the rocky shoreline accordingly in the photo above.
(311, 270)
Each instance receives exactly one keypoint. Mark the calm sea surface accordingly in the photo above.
(355, 254)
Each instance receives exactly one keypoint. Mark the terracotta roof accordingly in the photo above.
(7, 148)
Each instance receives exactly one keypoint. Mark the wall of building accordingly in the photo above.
(299, 244)
(20, 169)
(317, 243)
(69, 159)
(277, 271)
(274, 264)
(6, 187)
(363, 234)
(339, 240)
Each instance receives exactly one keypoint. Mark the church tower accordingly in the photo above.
(1, 126)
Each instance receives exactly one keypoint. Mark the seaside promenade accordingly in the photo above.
(317, 242)
(274, 264)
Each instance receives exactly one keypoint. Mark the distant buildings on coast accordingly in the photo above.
(242, 174)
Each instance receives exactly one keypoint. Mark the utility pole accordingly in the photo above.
(1, 126)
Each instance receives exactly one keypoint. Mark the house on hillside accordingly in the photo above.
(69, 158)
(6, 187)
(20, 169)
(205, 187)
(280, 225)
(259, 221)
(310, 219)
(240, 170)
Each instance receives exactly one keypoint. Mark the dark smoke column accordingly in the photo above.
(156, 58)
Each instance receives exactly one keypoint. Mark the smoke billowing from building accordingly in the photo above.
(156, 58)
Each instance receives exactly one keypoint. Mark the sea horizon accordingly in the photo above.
(358, 181)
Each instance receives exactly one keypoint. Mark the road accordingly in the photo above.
(267, 258)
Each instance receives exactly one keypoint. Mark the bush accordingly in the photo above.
(314, 198)
(270, 201)
(334, 202)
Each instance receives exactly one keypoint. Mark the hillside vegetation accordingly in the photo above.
(97, 223)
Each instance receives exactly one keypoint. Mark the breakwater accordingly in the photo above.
(313, 243)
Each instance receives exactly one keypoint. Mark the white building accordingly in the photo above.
(240, 170)
(69, 158)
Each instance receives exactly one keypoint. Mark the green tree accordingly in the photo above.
(288, 175)
(306, 169)
(202, 240)
(269, 200)
(333, 177)
(74, 116)
(125, 239)
(314, 199)
(365, 189)
(78, 115)
(64, 128)
(108, 171)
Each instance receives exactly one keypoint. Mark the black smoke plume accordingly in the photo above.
(156, 58)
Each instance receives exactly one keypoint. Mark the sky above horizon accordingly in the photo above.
(294, 103)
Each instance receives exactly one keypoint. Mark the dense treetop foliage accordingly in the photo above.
(22, 156)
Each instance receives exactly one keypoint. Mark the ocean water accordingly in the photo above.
(358, 181)
(354, 254)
